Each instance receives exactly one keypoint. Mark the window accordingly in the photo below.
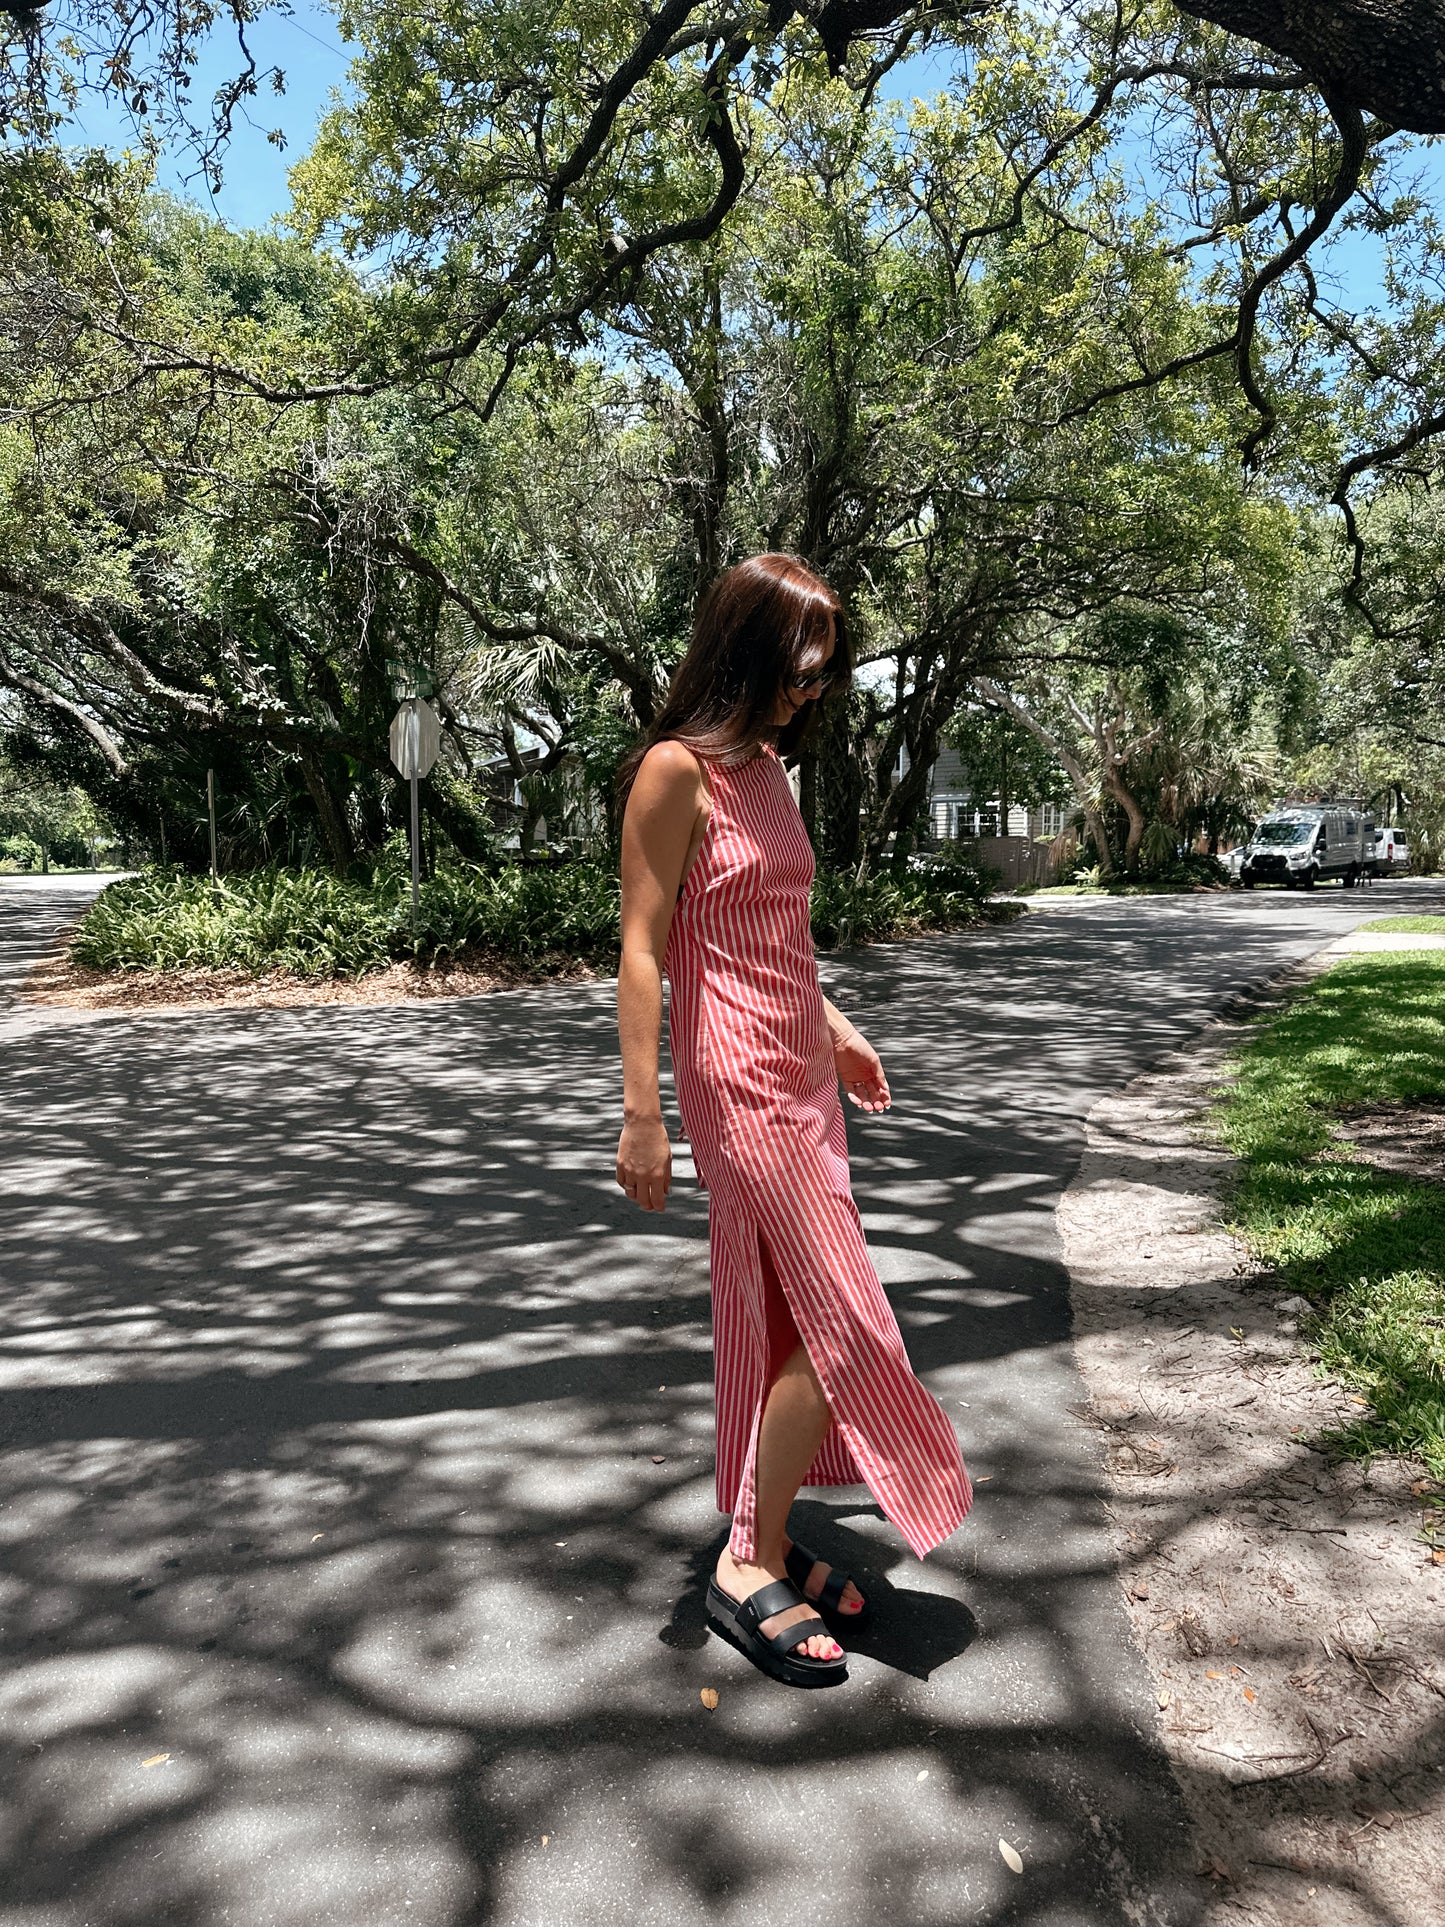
(1283, 832)
(1051, 819)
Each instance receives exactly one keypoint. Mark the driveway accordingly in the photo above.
(356, 1480)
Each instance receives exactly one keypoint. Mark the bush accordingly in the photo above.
(23, 851)
(1193, 867)
(937, 894)
(318, 925)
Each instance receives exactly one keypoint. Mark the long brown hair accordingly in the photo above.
(753, 631)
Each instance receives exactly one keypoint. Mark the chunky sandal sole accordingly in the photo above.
(800, 1565)
(724, 1615)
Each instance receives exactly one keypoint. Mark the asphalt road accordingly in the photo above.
(33, 913)
(355, 1470)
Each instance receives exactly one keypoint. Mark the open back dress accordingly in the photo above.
(758, 1093)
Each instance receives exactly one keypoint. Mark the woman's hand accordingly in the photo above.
(644, 1162)
(860, 1072)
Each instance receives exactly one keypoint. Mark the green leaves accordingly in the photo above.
(314, 924)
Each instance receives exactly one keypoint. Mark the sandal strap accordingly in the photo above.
(775, 1597)
(800, 1569)
(783, 1643)
(800, 1563)
(834, 1586)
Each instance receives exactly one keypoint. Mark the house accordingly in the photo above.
(956, 815)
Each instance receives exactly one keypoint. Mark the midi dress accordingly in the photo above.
(758, 1093)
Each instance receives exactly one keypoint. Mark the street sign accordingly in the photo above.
(409, 678)
(416, 738)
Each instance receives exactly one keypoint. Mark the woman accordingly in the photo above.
(813, 1383)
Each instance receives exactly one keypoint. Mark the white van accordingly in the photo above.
(1307, 843)
(1392, 853)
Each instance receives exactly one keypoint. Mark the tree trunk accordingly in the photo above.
(808, 791)
(905, 803)
(331, 815)
(1123, 797)
(1099, 830)
(840, 792)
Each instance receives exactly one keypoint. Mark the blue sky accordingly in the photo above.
(307, 46)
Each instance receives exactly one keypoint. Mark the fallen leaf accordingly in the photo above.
(708, 1696)
(1235, 1332)
(1355, 1399)
(659, 1458)
(545, 1838)
(1011, 1856)
(1438, 1556)
(317, 1535)
(1139, 1589)
(1209, 1675)
(1234, 1672)
(1420, 1488)
(1250, 1694)
(1218, 1869)
(984, 1479)
(1163, 1698)
(924, 1774)
(156, 1759)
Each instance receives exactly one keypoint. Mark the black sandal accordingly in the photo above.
(800, 1563)
(739, 1621)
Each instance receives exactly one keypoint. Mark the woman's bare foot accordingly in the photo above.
(852, 1600)
(739, 1580)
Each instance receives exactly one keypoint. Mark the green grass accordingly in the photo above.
(536, 918)
(1413, 926)
(1366, 1247)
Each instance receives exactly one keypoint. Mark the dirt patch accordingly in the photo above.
(58, 983)
(1292, 1619)
(1408, 1138)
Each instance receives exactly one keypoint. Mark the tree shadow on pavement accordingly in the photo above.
(357, 1485)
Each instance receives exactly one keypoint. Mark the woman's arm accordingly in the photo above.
(840, 1028)
(859, 1068)
(657, 832)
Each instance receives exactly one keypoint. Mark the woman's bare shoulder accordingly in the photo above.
(668, 772)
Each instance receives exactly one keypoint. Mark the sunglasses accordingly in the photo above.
(820, 679)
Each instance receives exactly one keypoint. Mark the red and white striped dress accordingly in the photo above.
(759, 1100)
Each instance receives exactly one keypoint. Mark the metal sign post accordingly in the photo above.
(211, 812)
(416, 740)
(415, 824)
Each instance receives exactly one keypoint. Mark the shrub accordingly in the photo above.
(933, 895)
(318, 925)
(23, 851)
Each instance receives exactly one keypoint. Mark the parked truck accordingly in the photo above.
(1302, 844)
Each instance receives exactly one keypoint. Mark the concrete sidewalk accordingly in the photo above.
(355, 1462)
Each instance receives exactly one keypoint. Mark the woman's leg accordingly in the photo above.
(795, 1419)
(794, 1422)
